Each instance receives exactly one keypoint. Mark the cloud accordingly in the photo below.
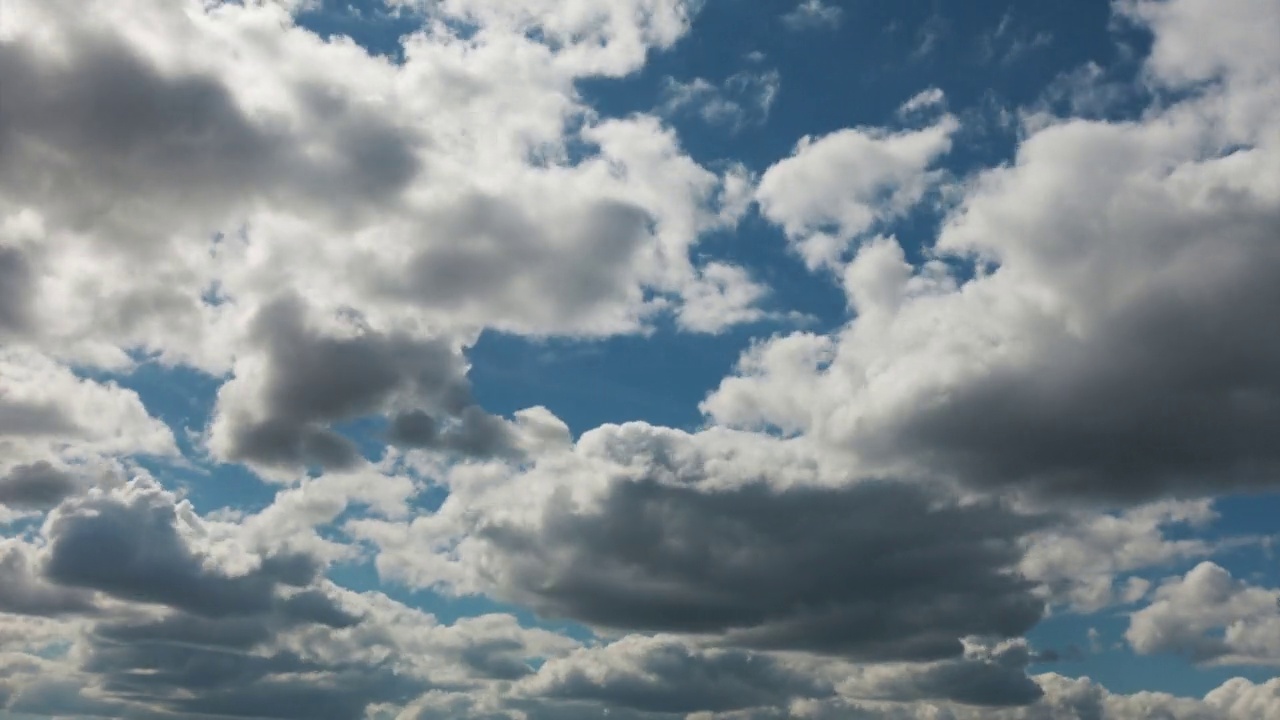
(129, 544)
(857, 532)
(306, 380)
(836, 188)
(36, 486)
(24, 592)
(922, 101)
(1082, 563)
(665, 675)
(652, 530)
(16, 291)
(240, 156)
(48, 411)
(163, 612)
(1101, 340)
(989, 676)
(1210, 617)
(811, 14)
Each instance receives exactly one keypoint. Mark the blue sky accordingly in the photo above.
(715, 359)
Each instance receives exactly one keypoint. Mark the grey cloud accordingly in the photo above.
(1115, 343)
(493, 255)
(1178, 392)
(330, 696)
(874, 570)
(986, 676)
(124, 129)
(192, 680)
(667, 676)
(312, 380)
(283, 443)
(498, 658)
(230, 633)
(16, 289)
(220, 649)
(26, 419)
(36, 486)
(131, 549)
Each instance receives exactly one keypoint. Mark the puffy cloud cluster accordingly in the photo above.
(725, 536)
(1210, 617)
(859, 531)
(1090, 320)
(241, 155)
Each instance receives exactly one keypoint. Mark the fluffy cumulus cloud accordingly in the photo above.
(299, 381)
(1103, 336)
(1211, 617)
(647, 529)
(1029, 413)
(836, 188)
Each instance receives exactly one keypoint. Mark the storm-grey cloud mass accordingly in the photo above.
(16, 291)
(132, 548)
(313, 380)
(24, 592)
(36, 486)
(871, 571)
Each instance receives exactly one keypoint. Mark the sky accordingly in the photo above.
(639, 359)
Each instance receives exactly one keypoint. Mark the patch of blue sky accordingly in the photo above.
(375, 25)
(184, 398)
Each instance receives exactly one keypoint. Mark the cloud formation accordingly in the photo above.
(1101, 339)
(1028, 408)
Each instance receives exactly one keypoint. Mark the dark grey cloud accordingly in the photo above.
(667, 676)
(123, 129)
(497, 658)
(986, 677)
(870, 571)
(131, 548)
(217, 649)
(312, 380)
(20, 418)
(1175, 392)
(38, 486)
(194, 680)
(493, 255)
(17, 287)
(24, 592)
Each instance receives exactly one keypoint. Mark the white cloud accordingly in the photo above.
(810, 14)
(339, 175)
(744, 97)
(924, 100)
(1083, 563)
(1210, 617)
(835, 188)
(1069, 353)
(47, 412)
